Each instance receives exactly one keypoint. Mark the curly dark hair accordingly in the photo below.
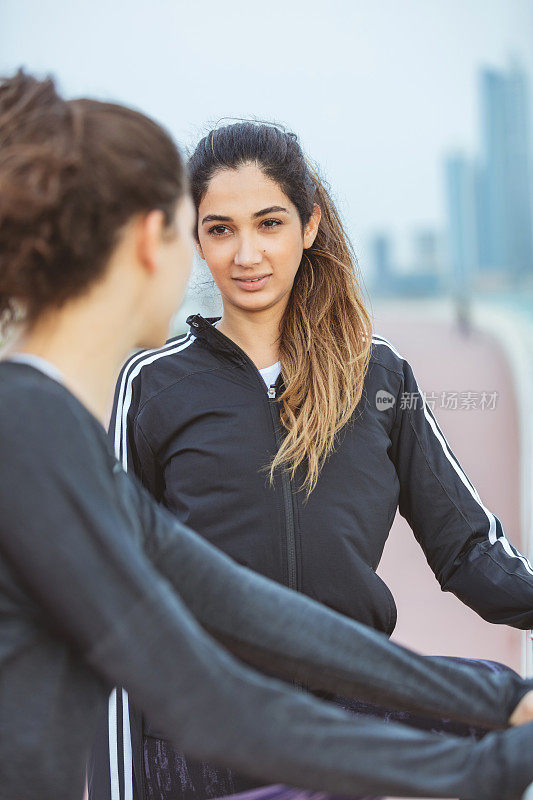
(72, 174)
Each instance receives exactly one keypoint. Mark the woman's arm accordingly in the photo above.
(464, 542)
(299, 639)
(76, 550)
(283, 632)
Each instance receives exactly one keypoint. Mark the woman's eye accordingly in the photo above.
(272, 223)
(217, 230)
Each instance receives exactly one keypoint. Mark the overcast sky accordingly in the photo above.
(378, 90)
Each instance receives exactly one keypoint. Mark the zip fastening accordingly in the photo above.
(292, 574)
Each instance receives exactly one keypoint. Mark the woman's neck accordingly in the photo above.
(87, 349)
(256, 333)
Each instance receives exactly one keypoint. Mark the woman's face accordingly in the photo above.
(251, 237)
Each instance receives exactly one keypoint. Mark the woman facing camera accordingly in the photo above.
(263, 431)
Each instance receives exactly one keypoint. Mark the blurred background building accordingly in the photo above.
(485, 244)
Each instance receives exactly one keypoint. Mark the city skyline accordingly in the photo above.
(377, 92)
(488, 227)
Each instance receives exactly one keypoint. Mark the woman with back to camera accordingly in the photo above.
(99, 585)
(288, 380)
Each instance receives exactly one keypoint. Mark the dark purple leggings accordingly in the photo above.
(169, 775)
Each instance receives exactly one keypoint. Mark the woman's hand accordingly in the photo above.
(524, 711)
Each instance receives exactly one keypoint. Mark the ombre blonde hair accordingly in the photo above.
(326, 331)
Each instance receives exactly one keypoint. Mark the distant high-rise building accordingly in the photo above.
(426, 255)
(504, 187)
(381, 254)
(461, 208)
(422, 280)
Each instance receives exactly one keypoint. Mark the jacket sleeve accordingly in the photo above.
(297, 638)
(285, 633)
(84, 569)
(463, 541)
(129, 443)
(135, 455)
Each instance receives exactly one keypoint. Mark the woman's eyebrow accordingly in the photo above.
(270, 210)
(216, 218)
(223, 218)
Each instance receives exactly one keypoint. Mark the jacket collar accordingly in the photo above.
(203, 329)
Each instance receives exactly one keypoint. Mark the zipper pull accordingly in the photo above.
(272, 392)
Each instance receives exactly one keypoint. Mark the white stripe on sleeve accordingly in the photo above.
(492, 533)
(131, 371)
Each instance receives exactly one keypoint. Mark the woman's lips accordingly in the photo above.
(252, 285)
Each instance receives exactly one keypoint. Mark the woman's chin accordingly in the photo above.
(255, 301)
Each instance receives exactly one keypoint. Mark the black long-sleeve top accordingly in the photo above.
(99, 586)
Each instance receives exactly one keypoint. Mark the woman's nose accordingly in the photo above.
(247, 255)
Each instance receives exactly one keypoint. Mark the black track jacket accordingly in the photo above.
(195, 422)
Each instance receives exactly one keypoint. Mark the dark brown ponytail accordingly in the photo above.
(72, 173)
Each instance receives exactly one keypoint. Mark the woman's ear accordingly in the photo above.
(311, 229)
(149, 231)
